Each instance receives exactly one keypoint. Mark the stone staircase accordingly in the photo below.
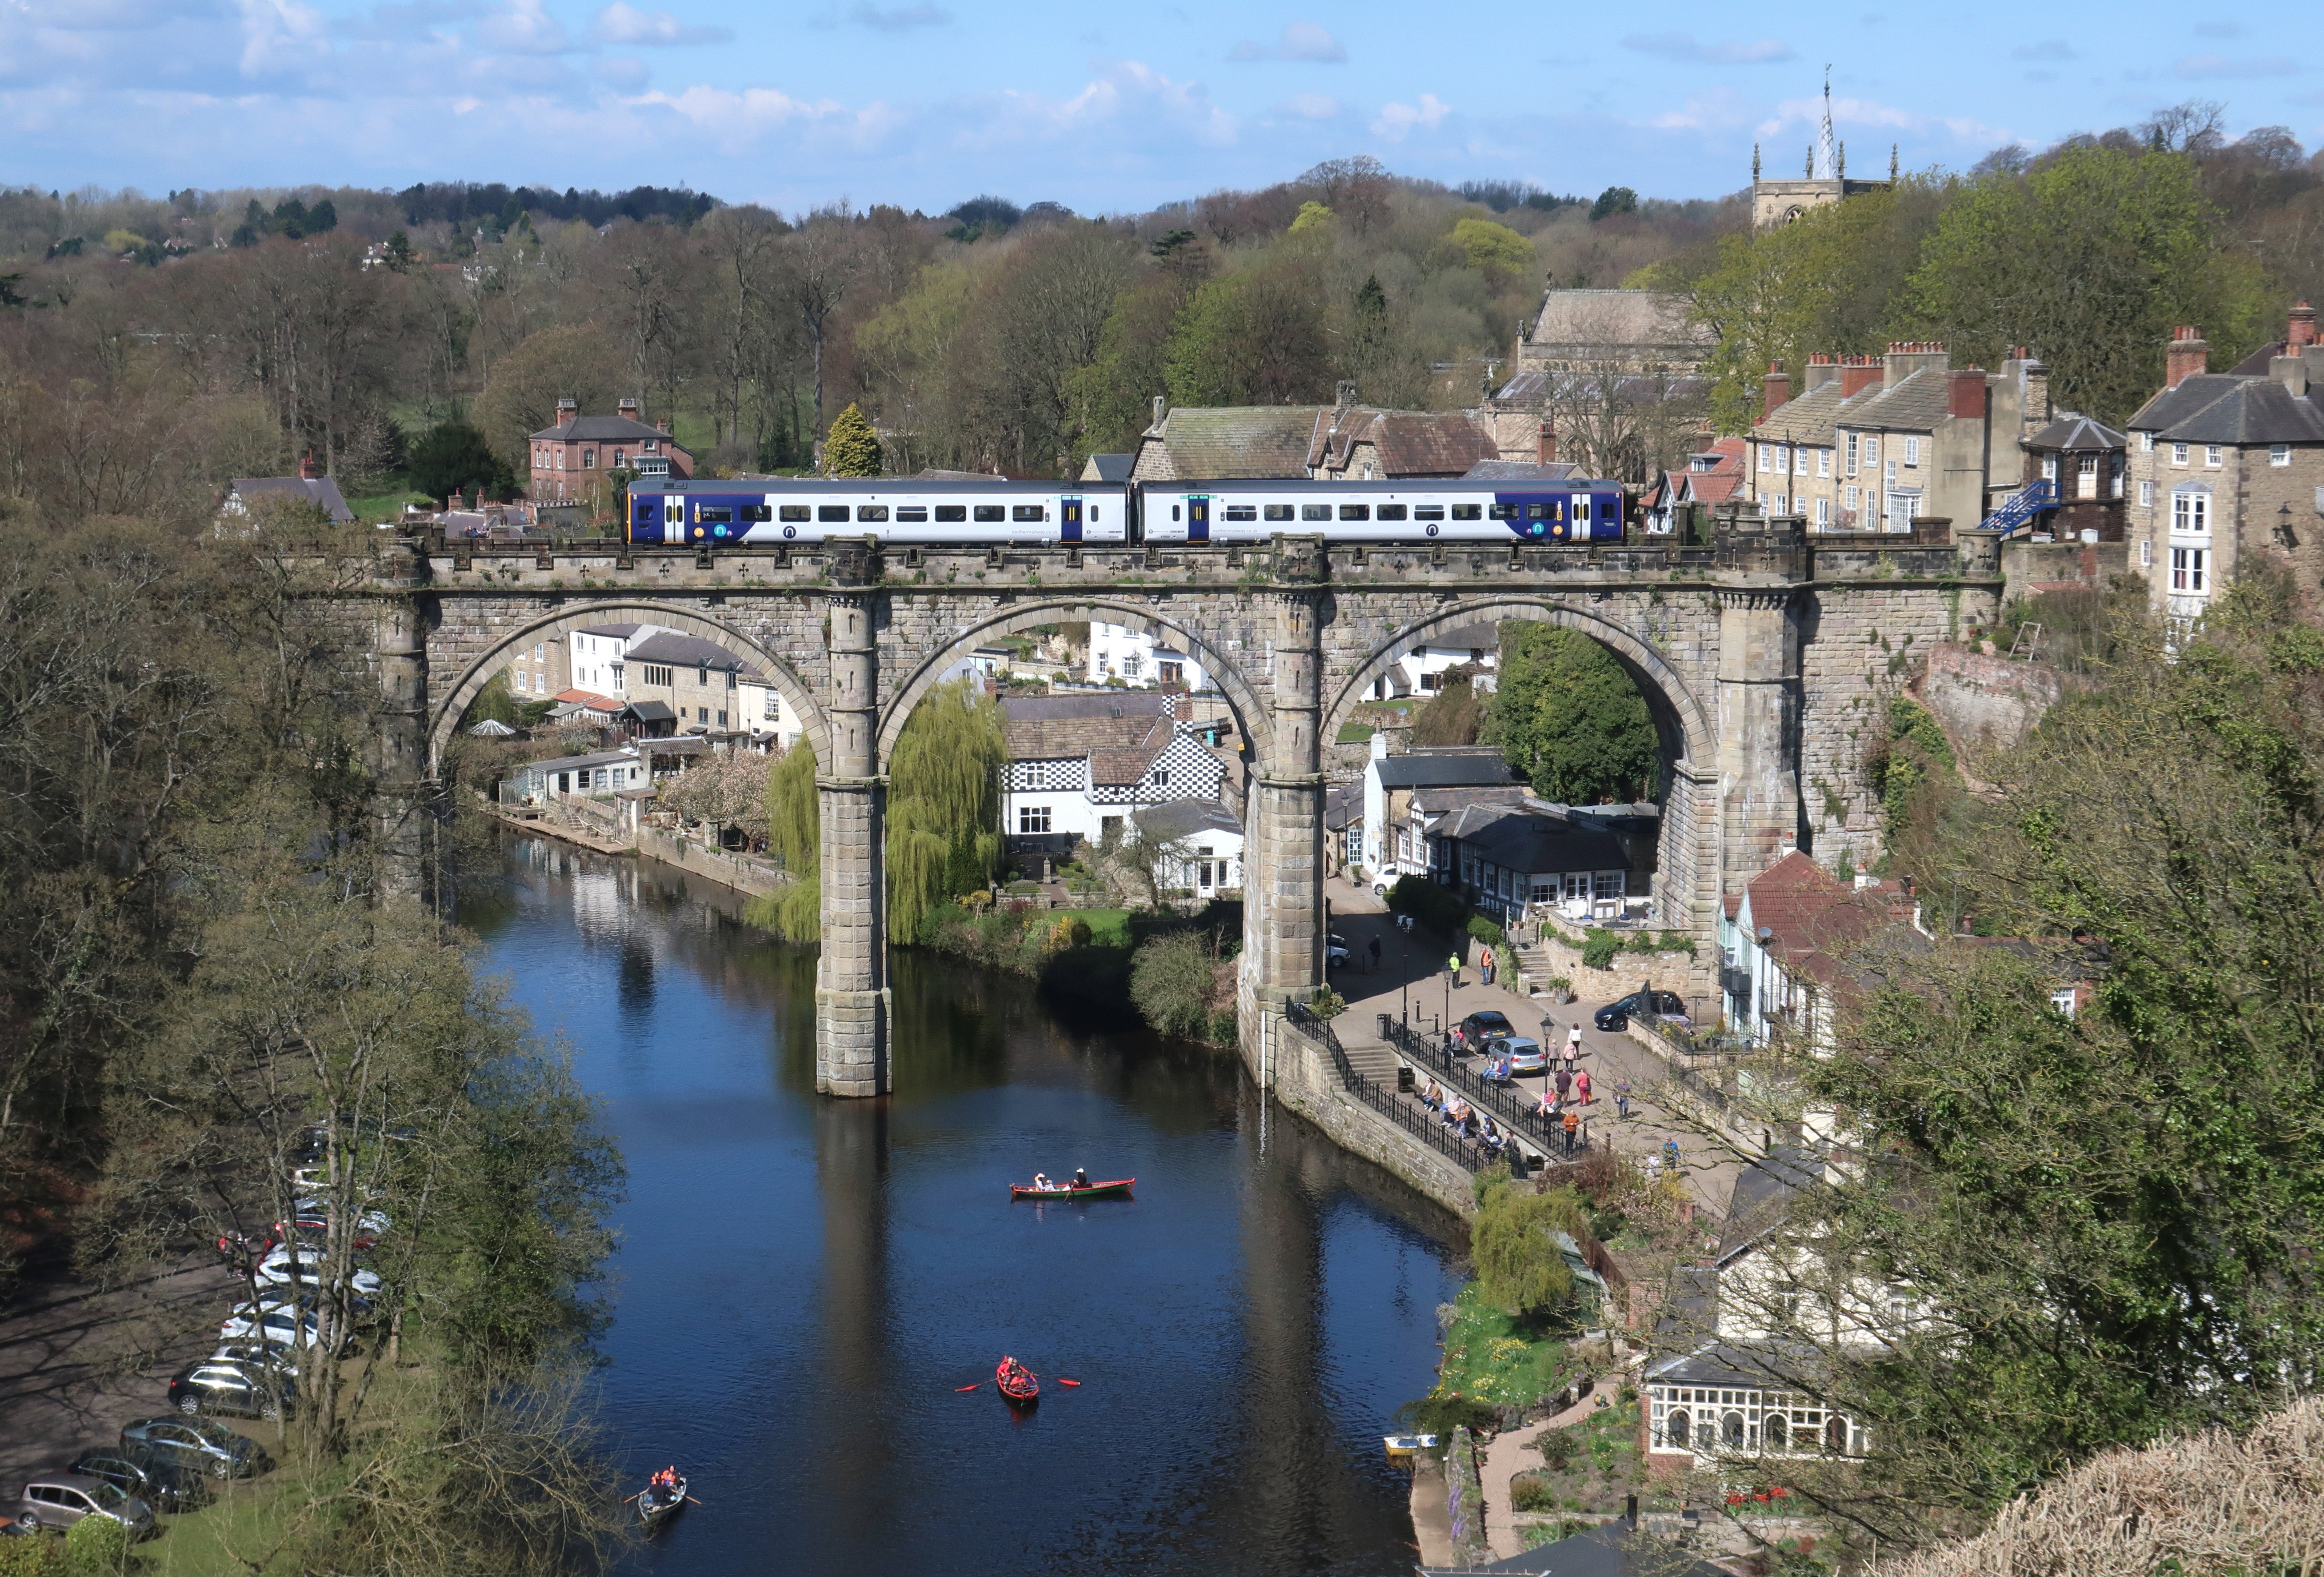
(1534, 967)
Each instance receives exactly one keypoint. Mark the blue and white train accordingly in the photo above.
(673, 512)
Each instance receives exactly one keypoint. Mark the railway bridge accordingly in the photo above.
(1763, 655)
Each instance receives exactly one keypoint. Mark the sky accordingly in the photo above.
(1104, 109)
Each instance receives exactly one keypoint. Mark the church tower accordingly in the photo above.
(1824, 179)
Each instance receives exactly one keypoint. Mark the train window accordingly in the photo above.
(1173, 512)
(871, 511)
(904, 512)
(1241, 511)
(1428, 512)
(951, 511)
(1315, 512)
(831, 511)
(1355, 511)
(1278, 511)
(1539, 512)
(1028, 511)
(645, 514)
(1505, 512)
(990, 512)
(1391, 512)
(713, 514)
(1468, 512)
(1580, 511)
(1092, 511)
(795, 511)
(757, 511)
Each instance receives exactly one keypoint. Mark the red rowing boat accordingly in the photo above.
(1019, 1385)
(1118, 1188)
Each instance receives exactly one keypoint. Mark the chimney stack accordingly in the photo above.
(1778, 386)
(1821, 370)
(2189, 356)
(628, 408)
(1343, 396)
(662, 424)
(1858, 373)
(1161, 409)
(567, 410)
(1546, 444)
(307, 471)
(1964, 392)
(2301, 331)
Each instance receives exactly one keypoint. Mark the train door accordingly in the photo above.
(1069, 520)
(1198, 520)
(1584, 529)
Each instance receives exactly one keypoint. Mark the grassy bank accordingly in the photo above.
(1082, 956)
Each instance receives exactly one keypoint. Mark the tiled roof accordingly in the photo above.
(1616, 320)
(1038, 729)
(1187, 818)
(574, 763)
(1465, 637)
(1533, 844)
(1806, 420)
(1230, 440)
(590, 700)
(320, 491)
(1762, 1191)
(1128, 764)
(2073, 431)
(1442, 768)
(1813, 918)
(2220, 409)
(664, 646)
(1918, 403)
(1409, 443)
(613, 632)
(604, 430)
(1518, 470)
(1108, 467)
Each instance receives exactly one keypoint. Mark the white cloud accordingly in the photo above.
(1716, 111)
(1125, 92)
(280, 36)
(624, 24)
(1300, 41)
(524, 28)
(1680, 46)
(1313, 106)
(1397, 121)
(2206, 68)
(623, 73)
(736, 120)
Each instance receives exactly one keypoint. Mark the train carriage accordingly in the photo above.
(674, 511)
(1450, 509)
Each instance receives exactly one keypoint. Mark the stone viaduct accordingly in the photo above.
(1763, 657)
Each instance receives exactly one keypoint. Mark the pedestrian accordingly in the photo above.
(1448, 1049)
(1572, 1046)
(1581, 1086)
(1670, 1156)
(1622, 1098)
(1485, 969)
(1453, 964)
(1375, 952)
(1565, 1081)
(1572, 1127)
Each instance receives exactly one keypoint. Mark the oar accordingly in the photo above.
(697, 1500)
(1062, 1380)
(957, 1389)
(627, 1498)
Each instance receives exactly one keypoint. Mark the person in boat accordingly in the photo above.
(1081, 1178)
(1041, 1180)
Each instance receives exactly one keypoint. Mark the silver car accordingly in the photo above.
(61, 1499)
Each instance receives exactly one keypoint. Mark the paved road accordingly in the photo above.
(1410, 983)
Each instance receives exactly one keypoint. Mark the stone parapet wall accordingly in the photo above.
(743, 875)
(1305, 1082)
(1594, 988)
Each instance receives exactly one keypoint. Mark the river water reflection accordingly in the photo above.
(802, 1282)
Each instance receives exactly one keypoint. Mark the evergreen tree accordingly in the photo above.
(1570, 719)
(853, 449)
(453, 456)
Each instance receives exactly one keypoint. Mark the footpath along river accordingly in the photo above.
(801, 1283)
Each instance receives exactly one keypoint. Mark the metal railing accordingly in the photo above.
(1521, 1115)
(1469, 1157)
(2018, 510)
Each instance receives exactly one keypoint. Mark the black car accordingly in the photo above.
(228, 1385)
(200, 1445)
(1616, 1015)
(161, 1483)
(1478, 1028)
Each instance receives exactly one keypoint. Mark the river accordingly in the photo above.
(802, 1283)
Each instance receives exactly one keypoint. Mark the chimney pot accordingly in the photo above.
(1161, 409)
(307, 471)
(2301, 331)
(1861, 373)
(2187, 356)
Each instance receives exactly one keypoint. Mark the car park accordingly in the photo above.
(1616, 1015)
(271, 1356)
(134, 1470)
(60, 1500)
(1481, 1026)
(314, 1208)
(272, 1322)
(287, 1267)
(200, 1445)
(221, 1384)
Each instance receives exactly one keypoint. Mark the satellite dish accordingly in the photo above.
(1766, 932)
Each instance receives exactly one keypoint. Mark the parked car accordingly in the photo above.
(1335, 951)
(313, 1207)
(200, 1445)
(272, 1322)
(272, 1356)
(61, 1499)
(1403, 923)
(1617, 1015)
(1524, 1054)
(221, 1384)
(134, 1469)
(1481, 1026)
(288, 1266)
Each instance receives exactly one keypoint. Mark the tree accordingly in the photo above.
(944, 808)
(1453, 715)
(1614, 200)
(794, 837)
(1491, 247)
(853, 449)
(1520, 1264)
(453, 456)
(1252, 337)
(1571, 719)
(521, 392)
(1179, 987)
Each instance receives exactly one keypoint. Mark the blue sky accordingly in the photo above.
(926, 102)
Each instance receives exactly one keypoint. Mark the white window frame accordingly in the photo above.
(2146, 553)
(1823, 462)
(2048, 467)
(2179, 455)
(2145, 493)
(2213, 457)
(2279, 455)
(2191, 572)
(1912, 450)
(1851, 453)
(1872, 450)
(1824, 512)
(2191, 514)
(1761, 450)
(2147, 442)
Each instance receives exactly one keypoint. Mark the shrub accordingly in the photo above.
(1440, 1415)
(1556, 1449)
(1598, 946)
(1438, 907)
(1520, 1266)
(1639, 942)
(1526, 1494)
(97, 1547)
(1327, 1003)
(1069, 931)
(39, 1555)
(1482, 927)
(1173, 981)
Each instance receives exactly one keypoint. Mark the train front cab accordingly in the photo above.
(1560, 517)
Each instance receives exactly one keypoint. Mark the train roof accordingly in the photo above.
(865, 486)
(1393, 484)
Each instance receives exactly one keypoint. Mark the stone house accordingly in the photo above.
(570, 460)
(1208, 861)
(1395, 839)
(1713, 476)
(1516, 860)
(2228, 466)
(1601, 378)
(1782, 943)
(1342, 441)
(310, 486)
(706, 688)
(1080, 766)
(541, 671)
(2087, 463)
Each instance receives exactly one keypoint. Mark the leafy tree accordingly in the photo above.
(1614, 200)
(1256, 337)
(1312, 215)
(1174, 982)
(1451, 717)
(453, 456)
(1570, 718)
(794, 837)
(1520, 1265)
(1489, 246)
(853, 449)
(2089, 259)
(944, 808)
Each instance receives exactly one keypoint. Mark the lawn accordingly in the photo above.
(372, 508)
(1489, 1358)
(245, 1520)
(1353, 734)
(1107, 927)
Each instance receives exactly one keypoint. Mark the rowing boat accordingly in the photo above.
(1117, 1188)
(1020, 1386)
(659, 1500)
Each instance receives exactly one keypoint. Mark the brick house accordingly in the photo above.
(570, 460)
(2226, 465)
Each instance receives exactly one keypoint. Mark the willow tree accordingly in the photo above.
(795, 836)
(944, 803)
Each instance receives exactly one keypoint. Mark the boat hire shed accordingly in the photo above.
(590, 777)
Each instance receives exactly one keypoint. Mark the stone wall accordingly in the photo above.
(1665, 972)
(743, 875)
(2029, 568)
(1984, 702)
(1307, 1082)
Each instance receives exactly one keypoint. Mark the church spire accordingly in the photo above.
(1827, 154)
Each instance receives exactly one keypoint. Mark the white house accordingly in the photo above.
(1081, 765)
(1393, 845)
(1781, 944)
(1210, 844)
(597, 776)
(600, 655)
(1138, 658)
(1422, 669)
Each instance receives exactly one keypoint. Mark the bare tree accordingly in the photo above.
(825, 256)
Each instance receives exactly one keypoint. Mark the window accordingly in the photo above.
(1872, 449)
(1468, 512)
(795, 511)
(654, 675)
(1094, 511)
(1610, 883)
(650, 445)
(1676, 1432)
(2279, 454)
(2191, 514)
(2146, 495)
(560, 459)
(1391, 512)
(1851, 454)
(2147, 442)
(722, 717)
(1428, 512)
(1823, 462)
(731, 676)
(952, 512)
(1855, 498)
(2178, 454)
(1278, 511)
(1763, 457)
(2048, 467)
(2145, 551)
(620, 458)
(757, 511)
(1160, 776)
(871, 511)
(990, 512)
(1824, 512)
(1355, 511)
(1913, 450)
(1028, 511)
(2087, 466)
(1503, 512)
(702, 714)
(774, 705)
(1780, 502)
(1315, 512)
(589, 460)
(702, 676)
(2062, 1000)
(834, 514)
(2211, 455)
(2190, 571)
(906, 512)
(1890, 474)
(1032, 819)
(1242, 511)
